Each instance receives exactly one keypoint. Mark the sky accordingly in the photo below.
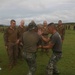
(37, 10)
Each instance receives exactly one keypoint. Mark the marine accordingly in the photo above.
(21, 29)
(61, 29)
(56, 46)
(30, 42)
(11, 43)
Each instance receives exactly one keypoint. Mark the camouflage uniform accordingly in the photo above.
(30, 58)
(30, 41)
(21, 30)
(61, 31)
(45, 34)
(10, 38)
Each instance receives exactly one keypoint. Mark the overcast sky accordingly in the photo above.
(37, 10)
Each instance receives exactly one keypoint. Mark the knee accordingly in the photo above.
(50, 66)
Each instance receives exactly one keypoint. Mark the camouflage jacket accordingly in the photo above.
(61, 31)
(45, 31)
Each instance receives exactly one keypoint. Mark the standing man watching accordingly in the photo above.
(45, 34)
(30, 41)
(56, 46)
(21, 29)
(61, 29)
(11, 42)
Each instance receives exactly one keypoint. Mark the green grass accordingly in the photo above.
(66, 65)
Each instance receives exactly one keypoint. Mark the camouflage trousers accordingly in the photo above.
(31, 61)
(52, 65)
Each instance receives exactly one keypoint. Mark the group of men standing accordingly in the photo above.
(23, 42)
(12, 37)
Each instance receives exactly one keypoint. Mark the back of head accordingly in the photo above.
(45, 23)
(32, 26)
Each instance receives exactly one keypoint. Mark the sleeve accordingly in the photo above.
(6, 37)
(53, 39)
(18, 33)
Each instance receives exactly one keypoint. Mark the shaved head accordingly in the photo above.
(45, 23)
(22, 22)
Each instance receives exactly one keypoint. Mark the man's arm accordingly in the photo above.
(45, 39)
(49, 46)
(6, 37)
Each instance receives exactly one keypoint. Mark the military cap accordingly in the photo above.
(32, 25)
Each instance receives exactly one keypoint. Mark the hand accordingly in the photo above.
(17, 41)
(21, 43)
(39, 46)
(40, 32)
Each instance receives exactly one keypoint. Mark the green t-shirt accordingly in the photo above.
(30, 41)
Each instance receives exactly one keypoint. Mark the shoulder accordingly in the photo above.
(56, 35)
(62, 26)
(7, 29)
(15, 28)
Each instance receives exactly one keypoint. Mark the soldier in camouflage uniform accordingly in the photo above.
(11, 42)
(21, 29)
(30, 41)
(45, 34)
(61, 29)
(56, 46)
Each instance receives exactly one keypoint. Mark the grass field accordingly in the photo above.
(66, 65)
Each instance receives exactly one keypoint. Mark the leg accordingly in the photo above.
(49, 69)
(19, 51)
(31, 61)
(15, 54)
(10, 55)
(52, 65)
(55, 69)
